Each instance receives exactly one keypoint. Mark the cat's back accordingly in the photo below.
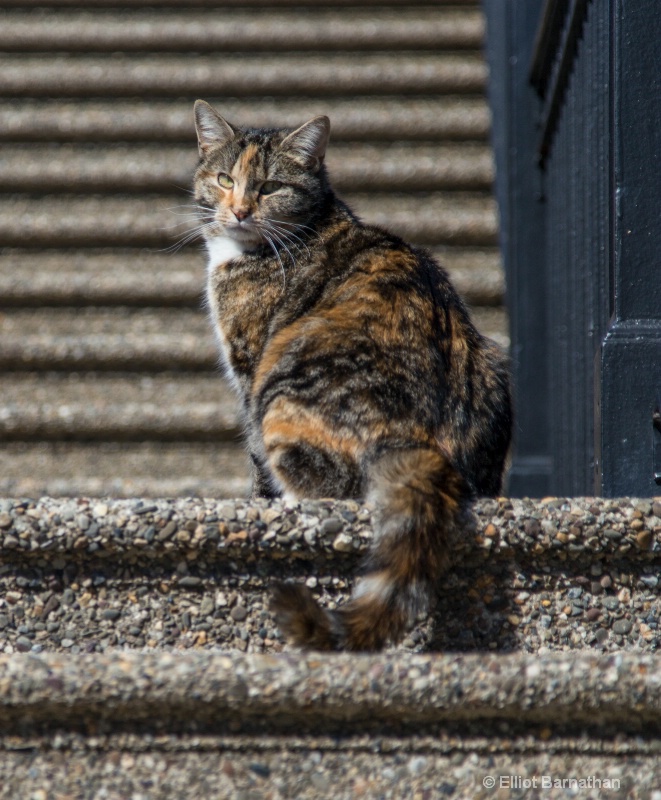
(372, 274)
(352, 254)
(367, 302)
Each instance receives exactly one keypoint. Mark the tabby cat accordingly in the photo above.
(359, 371)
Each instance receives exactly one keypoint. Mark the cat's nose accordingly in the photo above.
(241, 214)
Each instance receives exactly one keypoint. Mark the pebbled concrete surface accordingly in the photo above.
(89, 575)
(311, 769)
(82, 209)
(394, 694)
(96, 406)
(366, 118)
(165, 705)
(123, 469)
(242, 75)
(248, 727)
(208, 31)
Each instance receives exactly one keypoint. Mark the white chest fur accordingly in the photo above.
(221, 249)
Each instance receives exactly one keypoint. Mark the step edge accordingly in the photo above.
(523, 535)
(408, 692)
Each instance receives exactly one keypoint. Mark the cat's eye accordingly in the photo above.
(225, 181)
(268, 187)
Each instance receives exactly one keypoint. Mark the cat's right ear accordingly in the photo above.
(212, 129)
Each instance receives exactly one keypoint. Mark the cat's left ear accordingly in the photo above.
(308, 143)
(212, 129)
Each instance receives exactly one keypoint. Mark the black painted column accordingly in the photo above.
(511, 28)
(628, 374)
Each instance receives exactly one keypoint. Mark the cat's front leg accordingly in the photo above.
(262, 482)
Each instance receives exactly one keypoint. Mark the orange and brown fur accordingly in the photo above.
(359, 371)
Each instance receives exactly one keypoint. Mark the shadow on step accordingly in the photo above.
(83, 576)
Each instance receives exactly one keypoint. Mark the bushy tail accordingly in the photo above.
(419, 497)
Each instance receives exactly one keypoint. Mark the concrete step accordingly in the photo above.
(142, 278)
(86, 575)
(122, 625)
(360, 118)
(492, 322)
(121, 339)
(129, 339)
(384, 29)
(106, 277)
(454, 218)
(159, 76)
(221, 726)
(123, 469)
(130, 5)
(352, 168)
(64, 407)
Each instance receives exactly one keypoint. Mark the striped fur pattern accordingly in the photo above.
(359, 371)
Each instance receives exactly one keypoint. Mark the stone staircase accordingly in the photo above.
(138, 658)
(107, 361)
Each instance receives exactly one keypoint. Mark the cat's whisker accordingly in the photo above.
(177, 246)
(199, 228)
(278, 225)
(193, 206)
(295, 225)
(198, 221)
(270, 239)
(186, 189)
(290, 237)
(283, 243)
(191, 192)
(282, 239)
(188, 236)
(277, 255)
(188, 215)
(299, 225)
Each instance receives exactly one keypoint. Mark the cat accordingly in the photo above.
(358, 369)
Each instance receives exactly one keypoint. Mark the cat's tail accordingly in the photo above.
(420, 498)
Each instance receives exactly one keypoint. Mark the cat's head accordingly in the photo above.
(257, 184)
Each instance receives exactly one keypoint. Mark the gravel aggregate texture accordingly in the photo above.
(331, 694)
(138, 656)
(132, 339)
(125, 469)
(247, 727)
(381, 29)
(167, 76)
(135, 340)
(312, 771)
(89, 575)
(364, 118)
(85, 407)
(140, 660)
